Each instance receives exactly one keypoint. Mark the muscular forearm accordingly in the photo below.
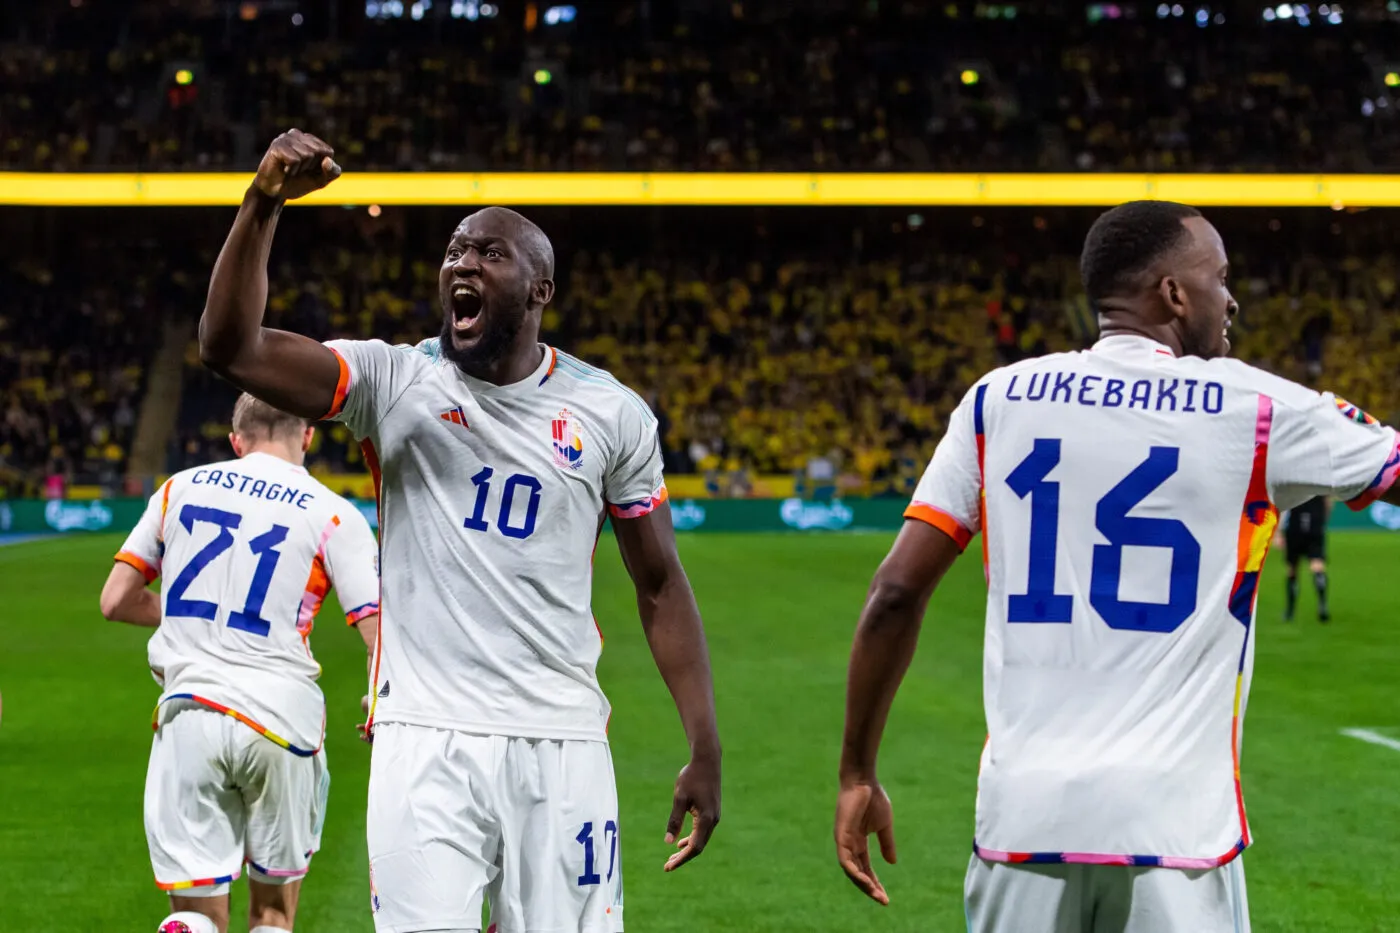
(884, 646)
(233, 312)
(671, 621)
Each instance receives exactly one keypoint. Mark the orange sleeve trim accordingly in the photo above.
(941, 520)
(130, 559)
(342, 387)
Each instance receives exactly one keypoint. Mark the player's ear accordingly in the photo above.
(306, 437)
(543, 292)
(1174, 297)
(236, 443)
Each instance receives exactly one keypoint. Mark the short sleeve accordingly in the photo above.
(949, 495)
(373, 375)
(145, 546)
(352, 563)
(1324, 445)
(634, 484)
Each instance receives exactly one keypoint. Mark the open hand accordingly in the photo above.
(295, 165)
(697, 793)
(862, 809)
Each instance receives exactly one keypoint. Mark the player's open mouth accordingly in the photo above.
(466, 308)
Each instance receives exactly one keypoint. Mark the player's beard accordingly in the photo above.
(498, 336)
(1205, 339)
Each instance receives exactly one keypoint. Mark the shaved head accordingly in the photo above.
(497, 275)
(519, 228)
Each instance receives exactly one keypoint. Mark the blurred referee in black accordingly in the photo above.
(1305, 535)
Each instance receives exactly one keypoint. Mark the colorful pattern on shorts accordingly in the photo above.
(248, 721)
(197, 883)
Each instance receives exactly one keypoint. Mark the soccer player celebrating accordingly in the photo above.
(1126, 497)
(247, 550)
(496, 459)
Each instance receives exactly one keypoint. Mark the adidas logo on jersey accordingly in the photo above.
(384, 690)
(455, 416)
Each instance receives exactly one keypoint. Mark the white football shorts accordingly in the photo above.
(1056, 898)
(528, 825)
(219, 794)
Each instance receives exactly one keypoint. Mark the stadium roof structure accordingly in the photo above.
(167, 189)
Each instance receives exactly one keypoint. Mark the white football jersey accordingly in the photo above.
(491, 501)
(1126, 500)
(247, 550)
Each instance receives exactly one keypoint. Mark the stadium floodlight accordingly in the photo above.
(555, 15)
(1269, 14)
(1163, 11)
(489, 10)
(1284, 11)
(1178, 10)
(1202, 16)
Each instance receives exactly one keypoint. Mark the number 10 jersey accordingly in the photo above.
(491, 501)
(1126, 500)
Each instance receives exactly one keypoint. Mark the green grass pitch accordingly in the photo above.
(779, 610)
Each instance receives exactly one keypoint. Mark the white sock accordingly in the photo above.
(187, 921)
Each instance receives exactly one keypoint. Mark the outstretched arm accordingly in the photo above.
(884, 645)
(671, 621)
(289, 371)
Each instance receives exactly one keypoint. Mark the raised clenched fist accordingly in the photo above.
(295, 165)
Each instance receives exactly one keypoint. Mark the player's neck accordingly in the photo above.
(1120, 328)
(293, 455)
(514, 367)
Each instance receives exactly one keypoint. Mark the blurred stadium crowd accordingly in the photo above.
(807, 342)
(824, 344)
(705, 84)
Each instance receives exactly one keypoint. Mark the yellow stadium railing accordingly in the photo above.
(698, 188)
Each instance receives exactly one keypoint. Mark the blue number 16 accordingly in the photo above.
(1040, 602)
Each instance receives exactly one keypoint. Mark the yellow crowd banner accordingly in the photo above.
(856, 189)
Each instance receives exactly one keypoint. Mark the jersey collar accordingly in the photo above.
(1129, 343)
(529, 383)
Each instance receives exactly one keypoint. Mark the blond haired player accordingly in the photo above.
(247, 550)
(498, 459)
(1126, 497)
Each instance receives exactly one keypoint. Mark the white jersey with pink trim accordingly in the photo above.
(1127, 499)
(247, 550)
(491, 502)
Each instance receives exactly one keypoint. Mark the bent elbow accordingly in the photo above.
(212, 355)
(110, 606)
(894, 595)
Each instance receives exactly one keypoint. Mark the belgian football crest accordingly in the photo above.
(566, 442)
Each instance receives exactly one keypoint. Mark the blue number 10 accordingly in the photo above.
(482, 481)
(1040, 602)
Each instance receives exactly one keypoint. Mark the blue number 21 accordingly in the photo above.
(1040, 602)
(264, 545)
